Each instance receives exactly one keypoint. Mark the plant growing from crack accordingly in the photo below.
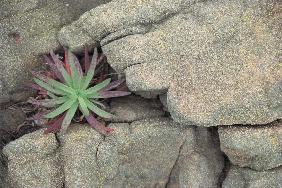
(67, 88)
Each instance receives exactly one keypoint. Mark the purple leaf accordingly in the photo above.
(75, 62)
(53, 68)
(111, 94)
(94, 123)
(113, 85)
(78, 66)
(40, 76)
(34, 86)
(48, 103)
(54, 125)
(86, 60)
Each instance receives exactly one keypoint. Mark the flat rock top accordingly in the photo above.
(218, 60)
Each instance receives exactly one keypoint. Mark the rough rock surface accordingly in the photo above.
(244, 177)
(79, 155)
(147, 153)
(133, 108)
(3, 172)
(201, 167)
(256, 147)
(10, 119)
(27, 30)
(33, 161)
(219, 60)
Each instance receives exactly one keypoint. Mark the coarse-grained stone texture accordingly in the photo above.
(195, 169)
(28, 28)
(144, 153)
(154, 152)
(218, 60)
(256, 147)
(33, 161)
(3, 172)
(79, 155)
(245, 177)
(10, 119)
(133, 108)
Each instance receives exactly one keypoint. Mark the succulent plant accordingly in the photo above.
(68, 88)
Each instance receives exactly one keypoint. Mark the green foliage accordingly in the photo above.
(70, 89)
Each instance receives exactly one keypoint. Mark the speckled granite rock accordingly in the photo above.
(244, 177)
(256, 147)
(79, 155)
(203, 166)
(144, 153)
(153, 152)
(28, 28)
(3, 172)
(33, 161)
(219, 60)
(132, 108)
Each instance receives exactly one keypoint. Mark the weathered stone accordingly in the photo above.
(33, 161)
(244, 177)
(218, 60)
(145, 153)
(79, 155)
(132, 108)
(10, 119)
(163, 99)
(256, 147)
(148, 153)
(3, 172)
(202, 167)
(27, 30)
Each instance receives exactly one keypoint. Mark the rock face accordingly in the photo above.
(79, 155)
(27, 30)
(33, 161)
(256, 147)
(244, 177)
(218, 60)
(133, 108)
(147, 153)
(3, 172)
(10, 119)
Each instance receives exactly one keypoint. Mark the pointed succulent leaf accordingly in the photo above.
(48, 103)
(78, 67)
(34, 86)
(97, 110)
(98, 103)
(53, 68)
(111, 94)
(98, 87)
(60, 86)
(83, 107)
(91, 70)
(54, 126)
(60, 67)
(113, 85)
(69, 115)
(94, 123)
(48, 87)
(74, 71)
(60, 109)
(86, 59)
(94, 96)
(50, 94)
